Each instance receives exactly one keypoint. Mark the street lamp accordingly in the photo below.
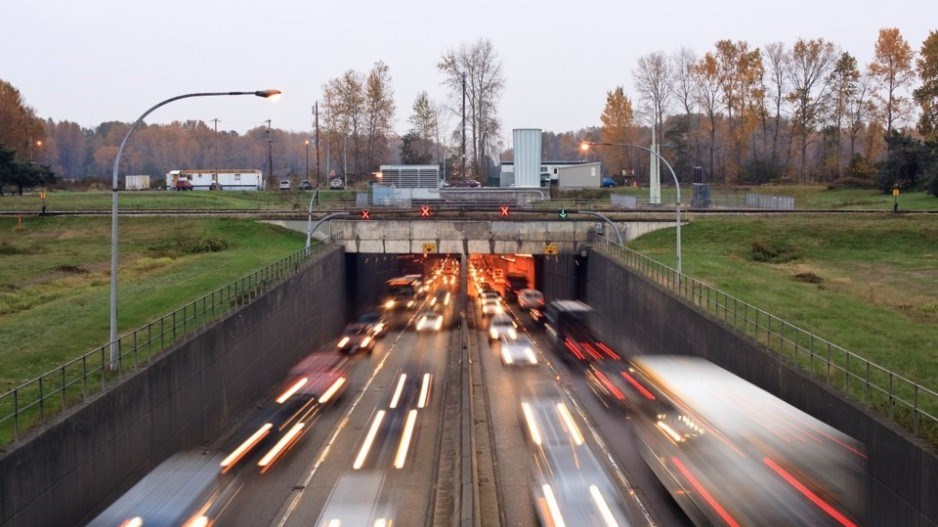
(307, 160)
(585, 146)
(115, 352)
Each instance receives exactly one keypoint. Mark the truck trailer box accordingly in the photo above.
(136, 182)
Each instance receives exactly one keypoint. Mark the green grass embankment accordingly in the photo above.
(869, 284)
(55, 278)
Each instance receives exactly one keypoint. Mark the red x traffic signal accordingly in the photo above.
(503, 210)
(425, 211)
(365, 214)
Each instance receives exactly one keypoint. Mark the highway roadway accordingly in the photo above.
(411, 390)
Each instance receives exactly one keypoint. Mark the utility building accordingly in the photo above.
(527, 156)
(411, 176)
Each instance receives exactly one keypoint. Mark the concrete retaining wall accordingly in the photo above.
(95, 453)
(634, 314)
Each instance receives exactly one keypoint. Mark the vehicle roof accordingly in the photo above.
(501, 318)
(320, 361)
(570, 305)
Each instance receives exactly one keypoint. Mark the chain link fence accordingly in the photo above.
(903, 401)
(34, 403)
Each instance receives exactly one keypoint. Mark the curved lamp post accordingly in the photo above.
(115, 351)
(585, 146)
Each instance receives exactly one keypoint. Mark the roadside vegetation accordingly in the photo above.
(167, 200)
(869, 284)
(54, 284)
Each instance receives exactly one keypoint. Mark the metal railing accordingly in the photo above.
(34, 402)
(903, 401)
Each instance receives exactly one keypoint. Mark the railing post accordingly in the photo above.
(16, 414)
(42, 401)
(63, 387)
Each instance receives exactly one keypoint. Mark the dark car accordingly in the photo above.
(306, 185)
(215, 186)
(184, 184)
(356, 337)
(608, 182)
(377, 322)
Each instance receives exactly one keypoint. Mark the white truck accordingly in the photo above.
(218, 179)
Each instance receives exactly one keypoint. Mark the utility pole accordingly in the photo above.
(270, 155)
(318, 169)
(215, 171)
(464, 126)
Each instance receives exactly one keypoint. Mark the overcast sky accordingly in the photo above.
(91, 61)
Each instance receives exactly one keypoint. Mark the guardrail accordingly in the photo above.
(34, 402)
(903, 401)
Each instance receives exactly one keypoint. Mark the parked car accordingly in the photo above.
(285, 184)
(337, 183)
(184, 184)
(306, 185)
(215, 186)
(608, 182)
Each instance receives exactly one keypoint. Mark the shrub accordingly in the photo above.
(772, 252)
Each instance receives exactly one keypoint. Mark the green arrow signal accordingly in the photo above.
(563, 213)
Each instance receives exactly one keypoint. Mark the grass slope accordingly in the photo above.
(54, 284)
(869, 284)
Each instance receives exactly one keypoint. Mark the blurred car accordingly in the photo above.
(319, 379)
(606, 382)
(530, 298)
(215, 186)
(306, 185)
(518, 350)
(492, 306)
(284, 184)
(572, 487)
(502, 324)
(608, 182)
(184, 184)
(356, 337)
(186, 489)
(377, 322)
(429, 320)
(356, 500)
(465, 183)
(322, 376)
(337, 183)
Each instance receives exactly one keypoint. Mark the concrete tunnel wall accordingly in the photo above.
(93, 454)
(635, 314)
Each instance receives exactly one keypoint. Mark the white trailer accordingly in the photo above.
(136, 182)
(213, 179)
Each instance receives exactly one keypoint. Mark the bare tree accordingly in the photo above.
(707, 76)
(776, 89)
(809, 71)
(425, 125)
(684, 89)
(844, 79)
(653, 79)
(379, 114)
(483, 84)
